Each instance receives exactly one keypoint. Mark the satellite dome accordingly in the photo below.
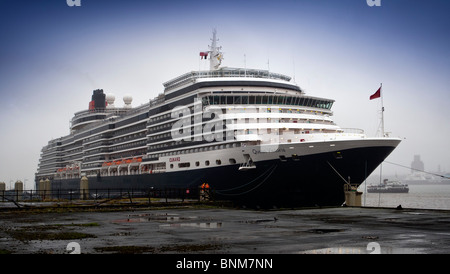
(110, 98)
(127, 99)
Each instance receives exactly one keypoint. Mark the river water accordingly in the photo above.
(433, 196)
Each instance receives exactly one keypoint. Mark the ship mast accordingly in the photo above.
(216, 56)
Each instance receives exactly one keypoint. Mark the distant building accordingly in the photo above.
(417, 164)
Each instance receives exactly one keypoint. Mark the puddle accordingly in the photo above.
(363, 250)
(324, 230)
(410, 237)
(142, 218)
(336, 250)
(195, 225)
(415, 213)
(260, 221)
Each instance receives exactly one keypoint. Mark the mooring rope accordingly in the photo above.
(439, 175)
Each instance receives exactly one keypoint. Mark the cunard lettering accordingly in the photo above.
(174, 159)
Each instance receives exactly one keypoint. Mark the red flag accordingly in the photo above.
(204, 54)
(376, 94)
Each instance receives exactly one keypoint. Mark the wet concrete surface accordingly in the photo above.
(200, 230)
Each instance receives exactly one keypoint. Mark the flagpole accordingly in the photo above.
(382, 110)
(245, 65)
(382, 132)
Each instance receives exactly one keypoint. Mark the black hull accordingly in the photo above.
(310, 180)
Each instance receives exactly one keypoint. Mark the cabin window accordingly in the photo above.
(187, 164)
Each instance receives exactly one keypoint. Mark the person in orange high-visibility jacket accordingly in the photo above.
(204, 191)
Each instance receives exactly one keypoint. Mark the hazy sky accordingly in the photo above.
(53, 56)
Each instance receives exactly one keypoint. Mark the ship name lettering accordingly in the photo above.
(174, 159)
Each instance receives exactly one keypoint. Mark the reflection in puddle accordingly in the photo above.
(142, 218)
(197, 225)
(415, 213)
(359, 250)
(336, 250)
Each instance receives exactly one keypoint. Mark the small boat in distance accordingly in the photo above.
(388, 187)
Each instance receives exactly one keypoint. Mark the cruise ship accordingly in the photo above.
(253, 136)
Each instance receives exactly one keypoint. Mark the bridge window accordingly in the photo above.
(266, 99)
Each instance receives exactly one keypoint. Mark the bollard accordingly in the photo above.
(41, 187)
(18, 189)
(2, 191)
(352, 195)
(47, 189)
(84, 188)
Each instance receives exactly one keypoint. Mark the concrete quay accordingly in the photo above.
(197, 229)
